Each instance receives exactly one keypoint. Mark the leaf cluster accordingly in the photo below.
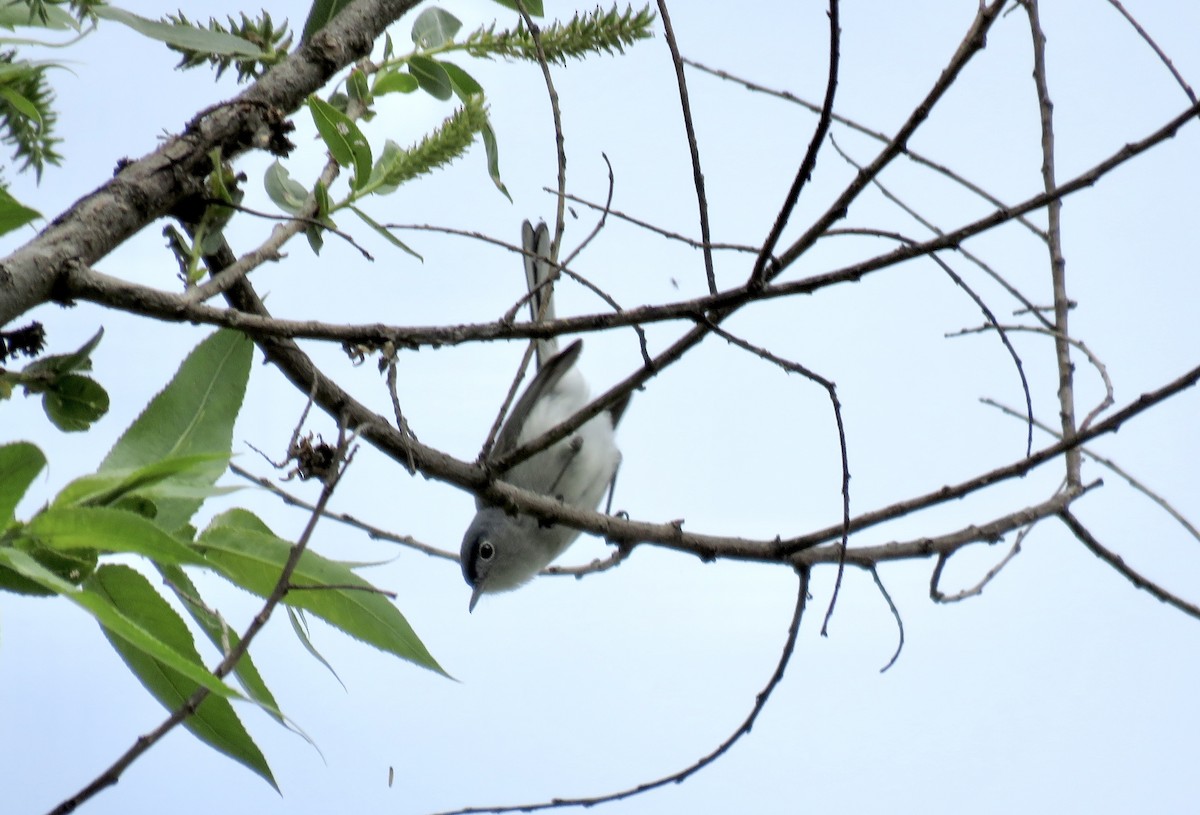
(273, 44)
(593, 32)
(139, 504)
(27, 115)
(72, 401)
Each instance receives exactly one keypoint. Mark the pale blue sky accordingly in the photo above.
(1060, 689)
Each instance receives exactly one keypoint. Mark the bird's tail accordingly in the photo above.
(538, 270)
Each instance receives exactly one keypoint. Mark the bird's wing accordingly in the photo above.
(547, 377)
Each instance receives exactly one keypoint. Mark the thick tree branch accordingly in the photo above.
(152, 186)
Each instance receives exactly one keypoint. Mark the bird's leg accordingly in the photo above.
(573, 448)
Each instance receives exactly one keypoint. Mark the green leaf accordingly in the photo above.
(287, 193)
(108, 530)
(113, 620)
(395, 82)
(345, 141)
(434, 27)
(75, 402)
(182, 36)
(193, 415)
(534, 7)
(431, 76)
(464, 84)
(78, 360)
(20, 462)
(23, 106)
(493, 158)
(241, 548)
(300, 628)
(106, 488)
(214, 722)
(320, 14)
(385, 232)
(358, 88)
(14, 214)
(222, 636)
(13, 15)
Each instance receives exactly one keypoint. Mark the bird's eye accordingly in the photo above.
(486, 551)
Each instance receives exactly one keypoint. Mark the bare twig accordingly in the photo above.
(831, 389)
(649, 227)
(1113, 559)
(1058, 263)
(877, 135)
(1134, 482)
(693, 147)
(762, 270)
(895, 613)
(760, 702)
(1154, 46)
(935, 591)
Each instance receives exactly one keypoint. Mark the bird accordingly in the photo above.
(502, 551)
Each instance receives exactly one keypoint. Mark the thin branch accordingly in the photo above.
(83, 283)
(1108, 463)
(762, 269)
(1154, 46)
(877, 135)
(113, 773)
(693, 147)
(987, 269)
(1113, 559)
(1058, 263)
(935, 591)
(831, 389)
(658, 230)
(895, 613)
(373, 532)
(1104, 404)
(760, 702)
(556, 113)
(974, 41)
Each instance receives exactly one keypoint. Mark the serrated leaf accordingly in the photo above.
(74, 402)
(192, 415)
(113, 620)
(431, 76)
(345, 141)
(434, 27)
(182, 36)
(395, 82)
(241, 548)
(214, 722)
(320, 14)
(287, 193)
(20, 462)
(14, 214)
(301, 631)
(385, 232)
(108, 530)
(13, 15)
(102, 489)
(225, 639)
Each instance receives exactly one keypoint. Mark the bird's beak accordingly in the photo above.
(475, 597)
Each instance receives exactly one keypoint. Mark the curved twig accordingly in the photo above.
(760, 702)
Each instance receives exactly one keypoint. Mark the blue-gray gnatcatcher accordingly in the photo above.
(501, 551)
